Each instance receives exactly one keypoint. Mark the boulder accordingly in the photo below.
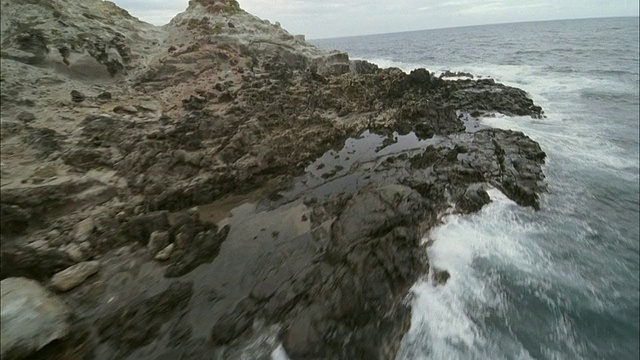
(31, 317)
(74, 275)
(165, 253)
(77, 96)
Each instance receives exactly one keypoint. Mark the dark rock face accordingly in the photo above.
(13, 219)
(206, 155)
(489, 156)
(19, 260)
(77, 96)
(202, 248)
(336, 279)
(441, 277)
(473, 199)
(141, 227)
(138, 322)
(375, 255)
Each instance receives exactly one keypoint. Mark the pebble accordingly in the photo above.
(26, 116)
(128, 109)
(77, 96)
(75, 253)
(165, 253)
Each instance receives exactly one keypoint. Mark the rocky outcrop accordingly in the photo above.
(193, 188)
(372, 256)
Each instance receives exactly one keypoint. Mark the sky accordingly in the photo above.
(336, 18)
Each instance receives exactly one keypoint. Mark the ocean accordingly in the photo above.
(562, 282)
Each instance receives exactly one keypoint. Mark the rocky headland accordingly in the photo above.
(217, 187)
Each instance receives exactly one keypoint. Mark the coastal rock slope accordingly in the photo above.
(218, 188)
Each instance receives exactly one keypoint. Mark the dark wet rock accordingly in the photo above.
(473, 199)
(375, 256)
(137, 322)
(199, 249)
(20, 260)
(77, 96)
(450, 74)
(505, 159)
(13, 219)
(485, 95)
(233, 324)
(49, 199)
(140, 228)
(440, 277)
(104, 96)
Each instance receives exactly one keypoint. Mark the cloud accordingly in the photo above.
(333, 18)
(156, 12)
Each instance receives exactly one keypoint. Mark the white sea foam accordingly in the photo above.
(443, 318)
(279, 353)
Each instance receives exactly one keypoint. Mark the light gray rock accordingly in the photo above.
(75, 252)
(74, 275)
(83, 230)
(165, 253)
(31, 317)
(39, 244)
(157, 241)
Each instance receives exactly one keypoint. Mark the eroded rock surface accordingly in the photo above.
(238, 187)
(32, 317)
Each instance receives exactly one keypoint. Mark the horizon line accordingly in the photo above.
(473, 25)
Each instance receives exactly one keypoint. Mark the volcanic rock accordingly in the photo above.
(283, 189)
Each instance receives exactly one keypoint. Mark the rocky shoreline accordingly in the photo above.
(217, 187)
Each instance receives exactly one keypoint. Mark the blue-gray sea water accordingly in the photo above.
(562, 282)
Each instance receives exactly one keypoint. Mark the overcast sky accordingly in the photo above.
(335, 18)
